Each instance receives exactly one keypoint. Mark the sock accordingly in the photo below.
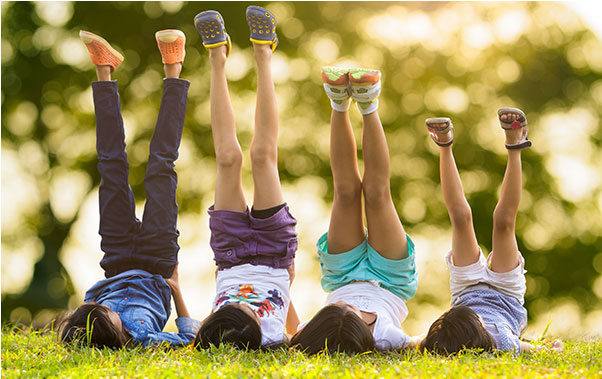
(339, 97)
(367, 108)
(366, 97)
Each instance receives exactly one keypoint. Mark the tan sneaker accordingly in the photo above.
(101, 52)
(171, 44)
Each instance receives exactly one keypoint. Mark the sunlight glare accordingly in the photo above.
(577, 178)
(511, 25)
(477, 35)
(67, 191)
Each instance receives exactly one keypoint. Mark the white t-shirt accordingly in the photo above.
(264, 289)
(390, 311)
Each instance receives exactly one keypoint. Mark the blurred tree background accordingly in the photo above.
(462, 60)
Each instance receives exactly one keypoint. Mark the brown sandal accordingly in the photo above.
(434, 131)
(520, 122)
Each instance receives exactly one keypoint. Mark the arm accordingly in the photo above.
(414, 342)
(187, 330)
(292, 320)
(178, 299)
(187, 327)
(526, 346)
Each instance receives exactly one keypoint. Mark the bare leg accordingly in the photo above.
(172, 70)
(385, 232)
(505, 248)
(228, 154)
(264, 147)
(103, 73)
(465, 249)
(346, 229)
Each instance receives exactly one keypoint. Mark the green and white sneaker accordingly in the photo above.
(365, 88)
(336, 85)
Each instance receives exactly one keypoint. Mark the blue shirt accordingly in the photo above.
(143, 303)
(504, 317)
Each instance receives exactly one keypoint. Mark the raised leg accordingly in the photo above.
(465, 249)
(346, 229)
(505, 248)
(118, 222)
(156, 245)
(385, 232)
(228, 154)
(264, 147)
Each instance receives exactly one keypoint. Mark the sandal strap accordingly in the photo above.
(449, 127)
(522, 144)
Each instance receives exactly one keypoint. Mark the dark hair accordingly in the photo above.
(334, 329)
(90, 323)
(229, 325)
(457, 329)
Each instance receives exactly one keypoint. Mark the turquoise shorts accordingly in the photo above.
(363, 263)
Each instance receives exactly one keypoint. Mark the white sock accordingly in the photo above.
(339, 97)
(367, 108)
(366, 97)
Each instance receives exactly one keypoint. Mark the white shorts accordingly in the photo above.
(511, 283)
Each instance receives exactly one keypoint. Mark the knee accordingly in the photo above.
(460, 216)
(263, 155)
(377, 194)
(348, 193)
(503, 220)
(229, 158)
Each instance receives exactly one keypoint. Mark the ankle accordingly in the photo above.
(103, 73)
(217, 55)
(262, 51)
(172, 70)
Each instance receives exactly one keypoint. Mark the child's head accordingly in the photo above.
(234, 324)
(336, 327)
(97, 322)
(456, 329)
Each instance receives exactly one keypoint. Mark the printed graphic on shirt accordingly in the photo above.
(262, 304)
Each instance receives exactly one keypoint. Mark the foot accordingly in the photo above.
(101, 52)
(262, 25)
(365, 88)
(172, 45)
(211, 27)
(513, 136)
(514, 123)
(441, 130)
(336, 85)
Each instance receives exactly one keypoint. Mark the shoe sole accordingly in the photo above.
(209, 24)
(169, 35)
(363, 76)
(88, 37)
(335, 76)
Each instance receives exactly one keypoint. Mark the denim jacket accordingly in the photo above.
(143, 302)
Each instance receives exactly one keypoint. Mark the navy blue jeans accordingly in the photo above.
(128, 243)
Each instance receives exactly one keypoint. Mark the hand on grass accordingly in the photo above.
(415, 341)
(556, 345)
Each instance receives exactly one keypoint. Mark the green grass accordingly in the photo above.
(35, 354)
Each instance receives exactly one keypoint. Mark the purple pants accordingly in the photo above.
(238, 238)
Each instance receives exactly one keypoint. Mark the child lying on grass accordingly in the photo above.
(369, 271)
(140, 258)
(253, 249)
(487, 293)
